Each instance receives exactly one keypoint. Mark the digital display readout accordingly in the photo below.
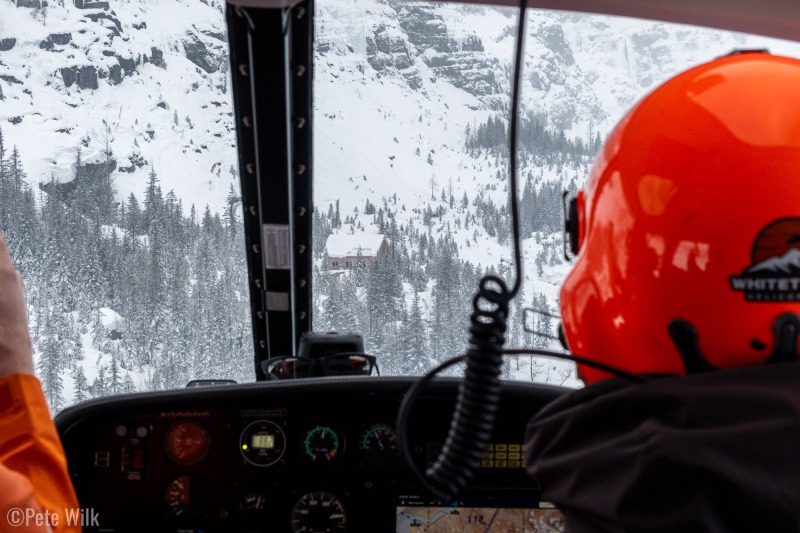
(478, 513)
(263, 441)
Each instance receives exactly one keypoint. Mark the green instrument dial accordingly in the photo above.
(322, 444)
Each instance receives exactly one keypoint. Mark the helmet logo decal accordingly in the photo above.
(774, 272)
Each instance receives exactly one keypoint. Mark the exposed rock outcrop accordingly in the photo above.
(421, 32)
(7, 44)
(88, 174)
(10, 79)
(197, 52)
(156, 58)
(55, 39)
(84, 77)
(113, 23)
(89, 4)
(387, 49)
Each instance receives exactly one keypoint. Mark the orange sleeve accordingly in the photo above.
(33, 468)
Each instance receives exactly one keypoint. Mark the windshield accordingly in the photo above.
(119, 190)
(411, 147)
(119, 194)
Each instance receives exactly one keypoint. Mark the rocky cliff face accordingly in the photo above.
(154, 76)
(150, 80)
(581, 72)
(410, 32)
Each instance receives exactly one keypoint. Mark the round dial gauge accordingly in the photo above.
(322, 444)
(177, 496)
(379, 444)
(262, 443)
(254, 501)
(187, 442)
(318, 512)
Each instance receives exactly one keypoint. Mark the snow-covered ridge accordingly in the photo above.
(151, 78)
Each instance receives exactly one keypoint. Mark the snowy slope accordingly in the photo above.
(151, 63)
(375, 128)
(128, 67)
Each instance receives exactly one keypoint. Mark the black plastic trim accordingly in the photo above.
(126, 404)
(271, 57)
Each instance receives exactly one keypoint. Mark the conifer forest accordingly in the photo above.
(151, 294)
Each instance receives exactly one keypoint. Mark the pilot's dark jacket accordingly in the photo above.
(718, 451)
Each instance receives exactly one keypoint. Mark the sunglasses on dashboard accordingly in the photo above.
(340, 364)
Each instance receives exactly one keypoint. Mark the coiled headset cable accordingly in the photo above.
(479, 391)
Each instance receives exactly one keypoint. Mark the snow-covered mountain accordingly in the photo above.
(399, 84)
(396, 78)
(151, 80)
(148, 78)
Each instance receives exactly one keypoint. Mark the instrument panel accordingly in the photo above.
(305, 456)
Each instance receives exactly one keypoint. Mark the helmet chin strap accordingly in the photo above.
(684, 336)
(786, 330)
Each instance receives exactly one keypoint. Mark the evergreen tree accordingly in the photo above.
(540, 260)
(80, 385)
(231, 219)
(359, 269)
(554, 257)
(412, 352)
(337, 217)
(544, 324)
(133, 216)
(104, 191)
(98, 387)
(128, 385)
(114, 385)
(51, 362)
(152, 201)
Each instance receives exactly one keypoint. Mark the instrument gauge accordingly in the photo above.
(177, 496)
(254, 501)
(378, 445)
(318, 512)
(187, 442)
(323, 445)
(262, 443)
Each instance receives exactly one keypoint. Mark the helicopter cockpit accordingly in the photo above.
(360, 254)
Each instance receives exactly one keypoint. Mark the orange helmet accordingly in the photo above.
(688, 228)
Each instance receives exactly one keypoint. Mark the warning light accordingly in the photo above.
(244, 446)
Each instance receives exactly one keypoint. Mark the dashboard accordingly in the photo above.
(306, 456)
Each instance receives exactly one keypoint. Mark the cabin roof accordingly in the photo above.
(343, 245)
